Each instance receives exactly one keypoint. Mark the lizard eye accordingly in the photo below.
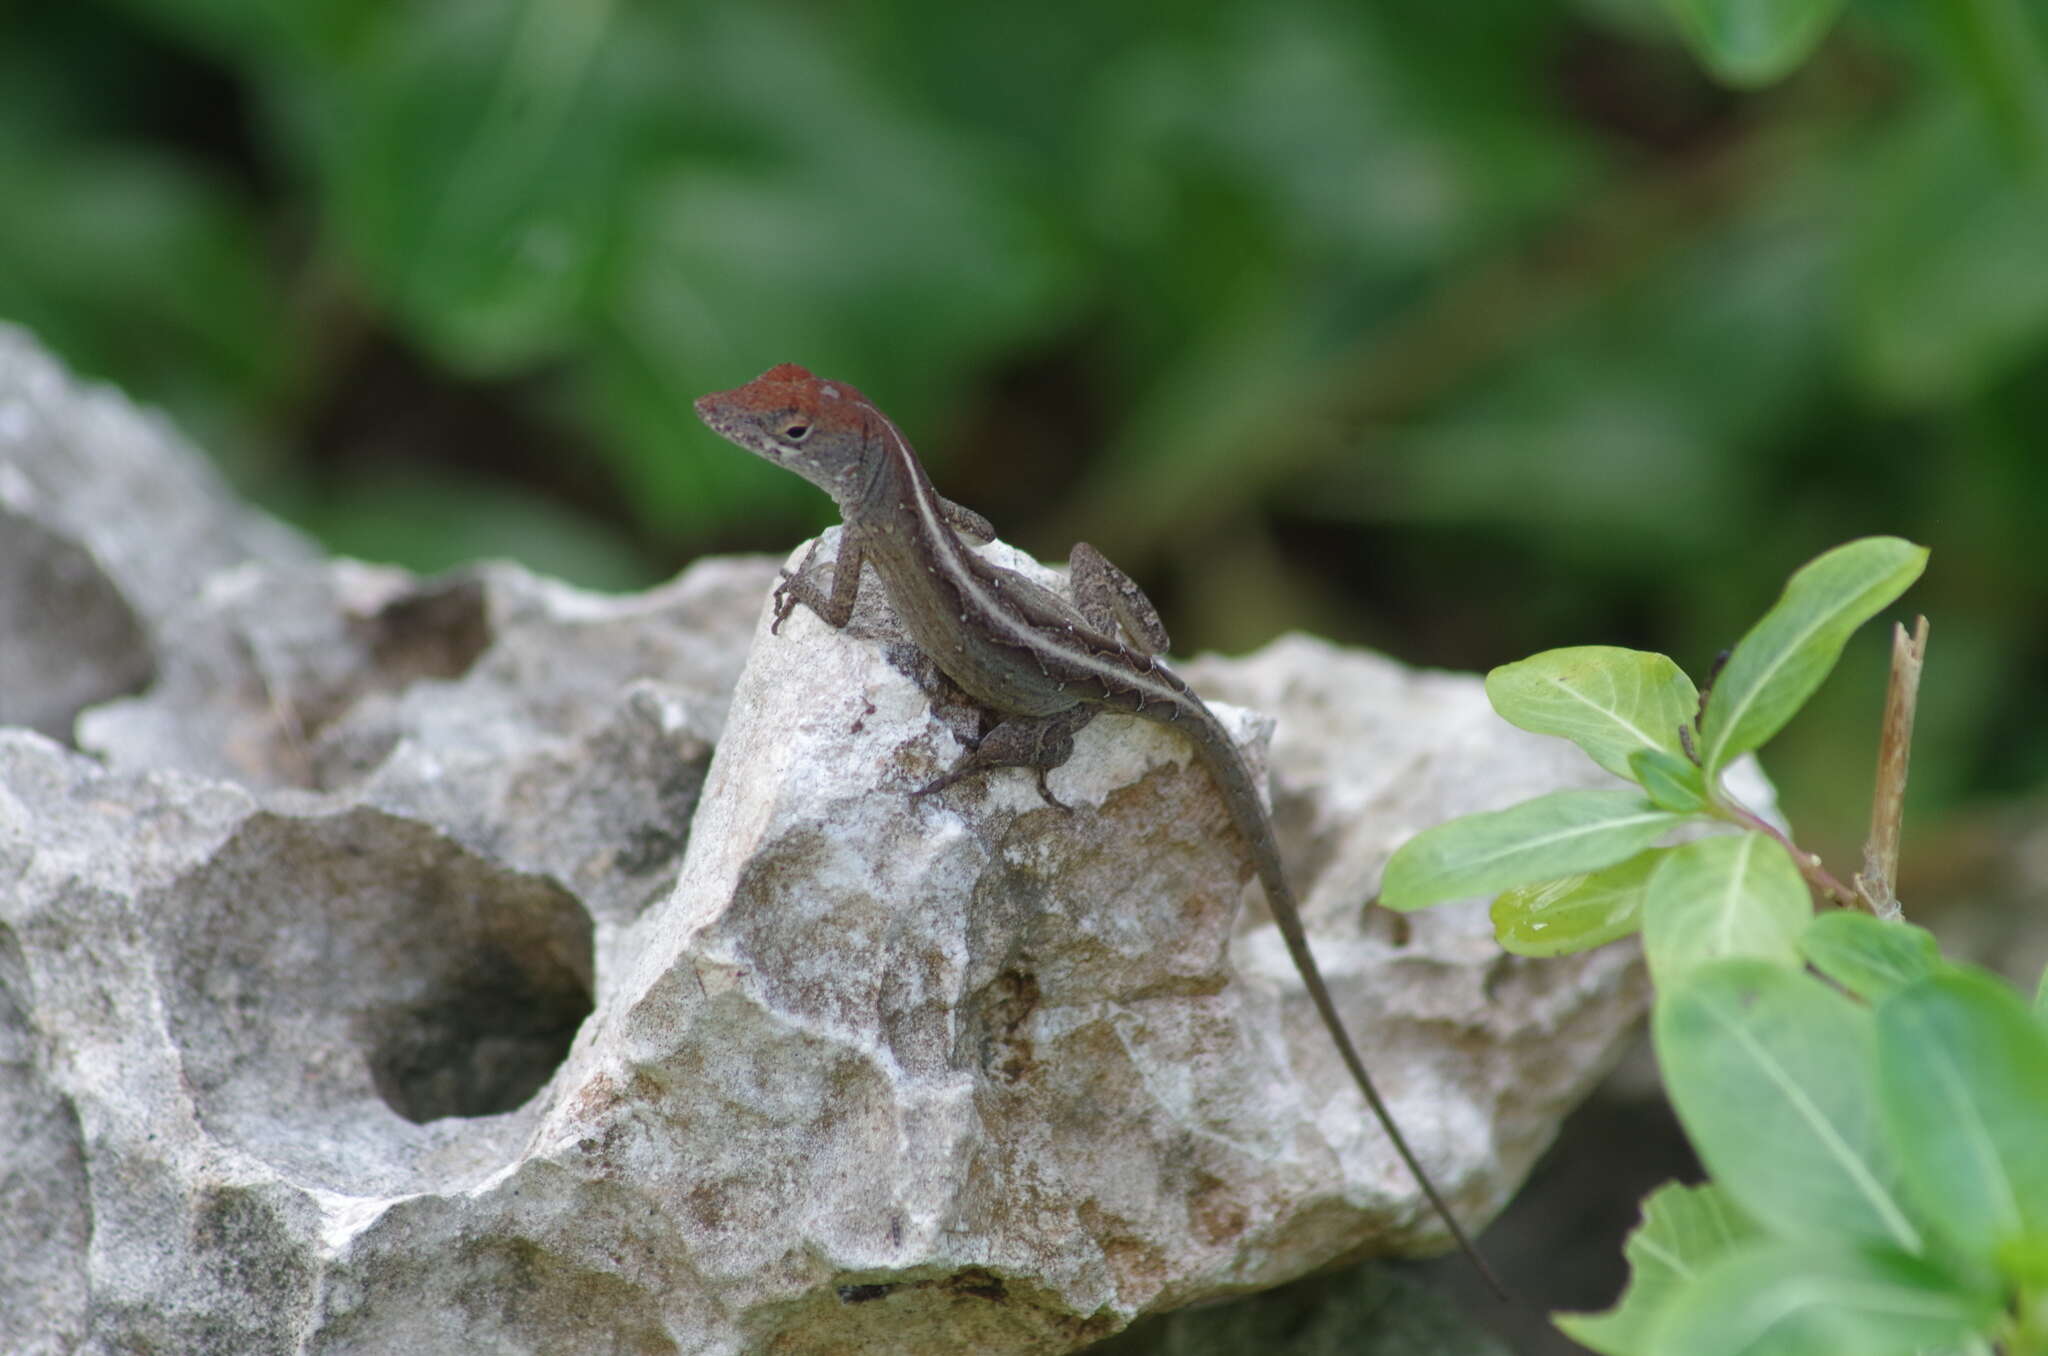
(796, 433)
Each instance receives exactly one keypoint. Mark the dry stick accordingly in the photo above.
(1873, 887)
(1879, 877)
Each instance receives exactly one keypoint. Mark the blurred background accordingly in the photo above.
(1457, 331)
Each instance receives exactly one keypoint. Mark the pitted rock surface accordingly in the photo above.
(479, 964)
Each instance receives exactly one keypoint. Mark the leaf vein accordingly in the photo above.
(1830, 1139)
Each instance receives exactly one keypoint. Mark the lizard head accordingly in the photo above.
(822, 430)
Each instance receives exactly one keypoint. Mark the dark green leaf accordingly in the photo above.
(786, 238)
(1611, 702)
(478, 158)
(265, 32)
(2001, 49)
(1776, 667)
(1867, 956)
(1774, 1076)
(430, 521)
(1555, 835)
(1706, 354)
(138, 269)
(1945, 297)
(1574, 913)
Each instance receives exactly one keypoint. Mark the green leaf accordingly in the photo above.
(430, 520)
(2000, 48)
(138, 269)
(266, 34)
(1963, 1075)
(1802, 1299)
(1753, 42)
(1685, 1230)
(767, 223)
(1774, 1076)
(1944, 298)
(1574, 913)
(1609, 701)
(478, 166)
(1709, 353)
(1731, 895)
(1867, 956)
(1673, 783)
(1777, 666)
(1554, 835)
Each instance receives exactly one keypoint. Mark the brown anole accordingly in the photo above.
(1042, 665)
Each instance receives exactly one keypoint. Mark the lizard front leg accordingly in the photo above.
(1040, 743)
(834, 607)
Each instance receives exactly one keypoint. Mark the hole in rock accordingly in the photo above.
(433, 633)
(1397, 930)
(73, 641)
(487, 1044)
(436, 631)
(328, 971)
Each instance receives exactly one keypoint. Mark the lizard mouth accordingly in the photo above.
(721, 420)
(712, 412)
(740, 426)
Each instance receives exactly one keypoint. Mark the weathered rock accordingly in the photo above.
(96, 499)
(547, 728)
(394, 976)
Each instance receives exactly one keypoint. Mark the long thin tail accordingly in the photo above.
(1235, 779)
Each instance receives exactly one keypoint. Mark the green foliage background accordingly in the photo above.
(1464, 331)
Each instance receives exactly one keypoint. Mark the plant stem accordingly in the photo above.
(1817, 876)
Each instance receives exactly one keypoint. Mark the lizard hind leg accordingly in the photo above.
(1040, 743)
(1112, 601)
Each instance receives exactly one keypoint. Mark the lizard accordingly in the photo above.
(1043, 666)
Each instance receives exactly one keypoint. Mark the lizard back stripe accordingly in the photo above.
(1114, 676)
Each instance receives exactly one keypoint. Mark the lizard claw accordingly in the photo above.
(946, 779)
(936, 784)
(785, 600)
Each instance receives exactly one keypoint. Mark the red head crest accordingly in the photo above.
(820, 429)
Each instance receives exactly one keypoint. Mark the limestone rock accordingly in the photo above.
(96, 497)
(477, 964)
